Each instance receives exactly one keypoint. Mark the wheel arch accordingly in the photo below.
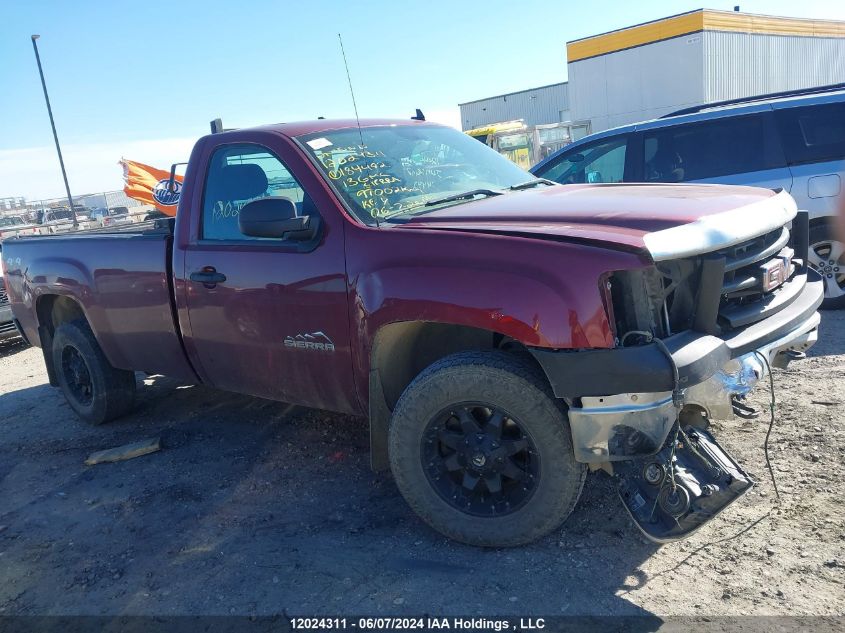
(823, 220)
(52, 310)
(401, 351)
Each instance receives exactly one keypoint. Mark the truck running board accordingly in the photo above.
(670, 496)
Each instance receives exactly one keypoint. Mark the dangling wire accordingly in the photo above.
(771, 423)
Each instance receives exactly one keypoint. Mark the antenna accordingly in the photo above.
(354, 104)
(351, 91)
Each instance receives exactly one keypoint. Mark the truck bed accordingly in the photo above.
(121, 278)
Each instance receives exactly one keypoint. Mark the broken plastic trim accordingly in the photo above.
(687, 484)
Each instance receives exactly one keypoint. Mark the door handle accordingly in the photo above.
(208, 276)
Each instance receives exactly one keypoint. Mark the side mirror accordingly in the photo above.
(276, 217)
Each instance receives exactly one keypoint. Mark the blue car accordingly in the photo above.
(793, 141)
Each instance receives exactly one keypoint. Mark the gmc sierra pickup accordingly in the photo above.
(503, 334)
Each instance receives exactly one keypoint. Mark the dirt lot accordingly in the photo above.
(253, 507)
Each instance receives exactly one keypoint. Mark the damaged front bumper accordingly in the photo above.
(625, 408)
(629, 425)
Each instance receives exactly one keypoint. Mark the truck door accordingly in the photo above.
(266, 316)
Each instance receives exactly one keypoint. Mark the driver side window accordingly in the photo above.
(603, 161)
(238, 174)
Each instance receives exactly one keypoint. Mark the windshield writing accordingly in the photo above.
(397, 169)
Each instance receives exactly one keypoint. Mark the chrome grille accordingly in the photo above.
(760, 279)
(4, 298)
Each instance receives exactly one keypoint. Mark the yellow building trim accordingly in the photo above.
(695, 21)
(771, 25)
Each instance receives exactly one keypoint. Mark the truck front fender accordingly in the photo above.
(539, 293)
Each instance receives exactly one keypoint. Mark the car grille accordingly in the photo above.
(760, 279)
(4, 298)
(713, 293)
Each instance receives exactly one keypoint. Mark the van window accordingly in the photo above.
(812, 133)
(697, 151)
(603, 161)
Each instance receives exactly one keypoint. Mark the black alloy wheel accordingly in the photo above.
(77, 376)
(480, 460)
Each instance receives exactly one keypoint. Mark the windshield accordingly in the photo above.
(62, 214)
(398, 168)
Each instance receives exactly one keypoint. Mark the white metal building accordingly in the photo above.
(648, 70)
(108, 199)
(537, 106)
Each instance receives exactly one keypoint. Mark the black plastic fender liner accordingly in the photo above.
(379, 418)
(22, 334)
(599, 372)
(640, 369)
(46, 337)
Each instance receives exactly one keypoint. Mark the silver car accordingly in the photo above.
(793, 141)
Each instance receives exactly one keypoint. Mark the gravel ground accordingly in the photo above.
(254, 507)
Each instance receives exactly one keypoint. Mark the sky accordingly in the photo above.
(142, 80)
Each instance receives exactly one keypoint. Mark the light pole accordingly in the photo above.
(55, 135)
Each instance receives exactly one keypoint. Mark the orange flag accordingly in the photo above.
(150, 185)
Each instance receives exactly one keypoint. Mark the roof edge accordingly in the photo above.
(696, 21)
(515, 92)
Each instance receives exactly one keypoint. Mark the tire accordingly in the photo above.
(482, 387)
(95, 390)
(824, 248)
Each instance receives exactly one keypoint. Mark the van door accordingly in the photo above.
(814, 143)
(737, 150)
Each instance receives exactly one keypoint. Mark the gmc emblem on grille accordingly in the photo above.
(776, 271)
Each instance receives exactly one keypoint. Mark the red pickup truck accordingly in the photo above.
(503, 334)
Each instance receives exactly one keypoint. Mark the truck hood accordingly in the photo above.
(666, 221)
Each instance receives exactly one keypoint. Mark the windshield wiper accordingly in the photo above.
(462, 196)
(532, 183)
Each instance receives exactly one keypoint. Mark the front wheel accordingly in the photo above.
(95, 390)
(482, 451)
(827, 257)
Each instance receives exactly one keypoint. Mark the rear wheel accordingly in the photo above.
(482, 450)
(827, 257)
(95, 390)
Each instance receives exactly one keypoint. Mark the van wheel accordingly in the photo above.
(482, 451)
(95, 390)
(827, 257)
